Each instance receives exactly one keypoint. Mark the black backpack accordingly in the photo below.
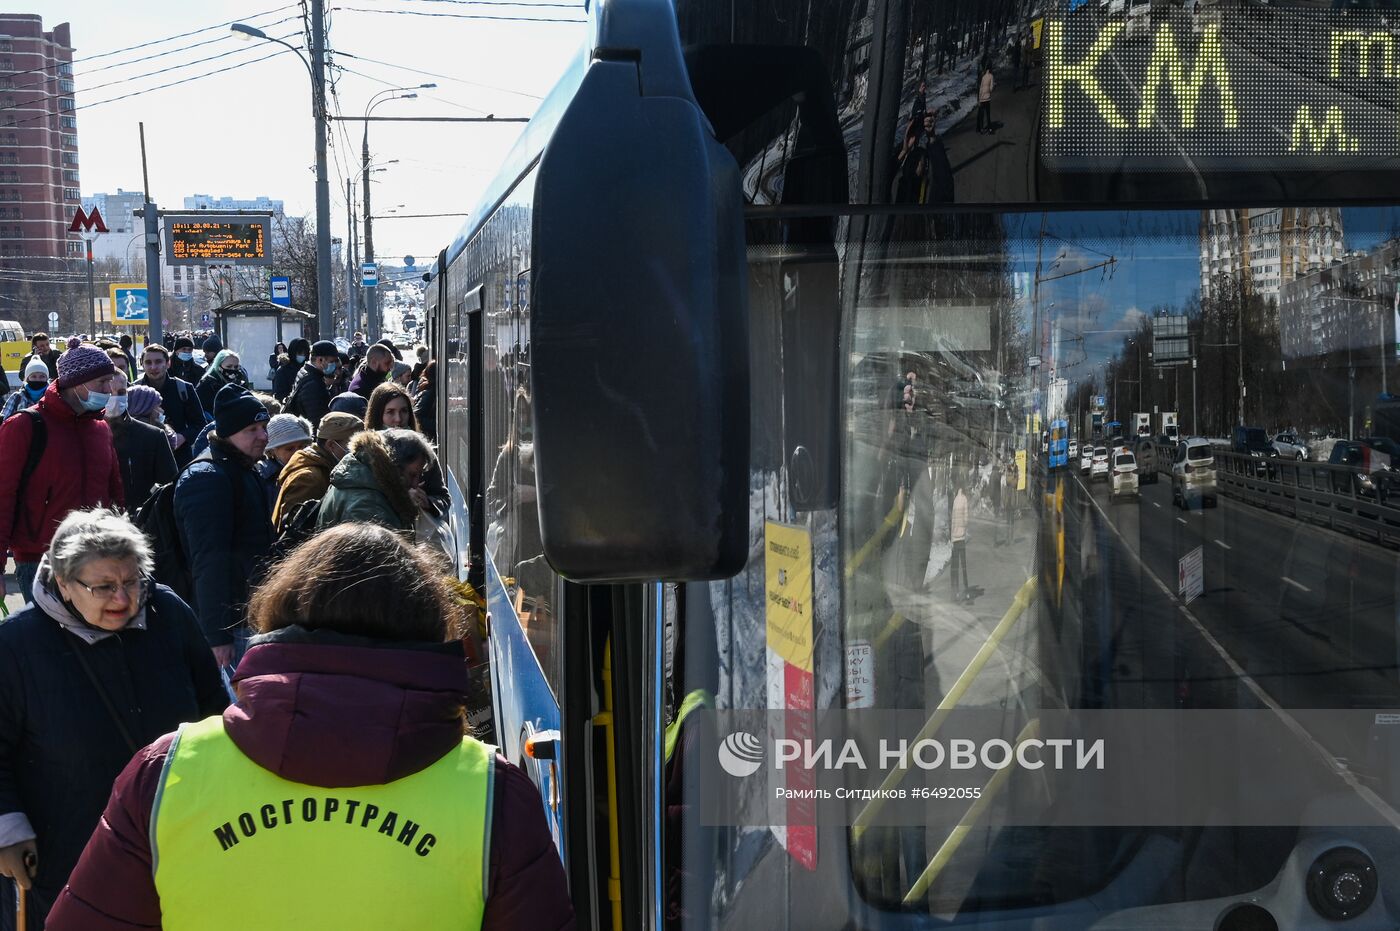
(298, 527)
(156, 519)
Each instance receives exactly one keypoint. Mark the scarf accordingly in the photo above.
(48, 600)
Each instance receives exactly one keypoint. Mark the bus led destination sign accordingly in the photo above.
(217, 239)
(1236, 88)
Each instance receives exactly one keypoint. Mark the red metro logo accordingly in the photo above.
(88, 222)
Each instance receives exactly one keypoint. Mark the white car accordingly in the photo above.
(1125, 477)
(1099, 468)
(1193, 473)
(1086, 459)
(1073, 449)
(1289, 446)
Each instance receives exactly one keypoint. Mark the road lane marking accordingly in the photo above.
(1339, 769)
(1223, 544)
(1181, 519)
(1298, 585)
(1156, 505)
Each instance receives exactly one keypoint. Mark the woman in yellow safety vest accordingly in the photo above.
(341, 791)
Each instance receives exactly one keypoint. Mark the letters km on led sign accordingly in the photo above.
(1230, 90)
(217, 239)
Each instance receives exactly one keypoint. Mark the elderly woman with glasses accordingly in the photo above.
(99, 664)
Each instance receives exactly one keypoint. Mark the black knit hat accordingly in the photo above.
(183, 342)
(324, 347)
(236, 409)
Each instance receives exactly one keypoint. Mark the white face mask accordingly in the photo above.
(116, 406)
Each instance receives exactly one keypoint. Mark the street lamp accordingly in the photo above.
(396, 93)
(324, 289)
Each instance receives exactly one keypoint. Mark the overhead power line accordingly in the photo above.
(434, 74)
(490, 16)
(543, 6)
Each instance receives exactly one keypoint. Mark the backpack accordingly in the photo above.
(156, 519)
(297, 527)
(38, 439)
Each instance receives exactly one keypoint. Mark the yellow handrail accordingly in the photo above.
(604, 719)
(950, 700)
(970, 817)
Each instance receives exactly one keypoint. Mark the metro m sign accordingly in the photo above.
(89, 222)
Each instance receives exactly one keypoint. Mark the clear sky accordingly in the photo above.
(249, 131)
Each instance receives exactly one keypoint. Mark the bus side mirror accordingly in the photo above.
(639, 334)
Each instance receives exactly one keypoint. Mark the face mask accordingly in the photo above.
(301, 360)
(229, 376)
(96, 401)
(160, 418)
(330, 368)
(35, 390)
(116, 406)
(184, 356)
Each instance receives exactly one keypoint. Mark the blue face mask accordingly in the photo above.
(95, 401)
(184, 356)
(330, 368)
(301, 359)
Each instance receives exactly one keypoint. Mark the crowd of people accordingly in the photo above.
(225, 588)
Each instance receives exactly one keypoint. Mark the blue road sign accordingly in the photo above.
(281, 290)
(130, 305)
(369, 275)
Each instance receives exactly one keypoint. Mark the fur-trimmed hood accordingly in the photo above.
(369, 467)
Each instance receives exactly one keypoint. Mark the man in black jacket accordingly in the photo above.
(39, 349)
(298, 351)
(184, 365)
(143, 452)
(183, 412)
(309, 397)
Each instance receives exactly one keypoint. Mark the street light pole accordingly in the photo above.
(316, 69)
(372, 294)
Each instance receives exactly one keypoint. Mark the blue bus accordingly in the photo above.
(669, 331)
(1059, 444)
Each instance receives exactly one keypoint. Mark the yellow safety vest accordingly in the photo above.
(696, 699)
(235, 846)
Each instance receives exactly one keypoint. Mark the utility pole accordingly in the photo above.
(151, 220)
(352, 322)
(92, 297)
(325, 291)
(372, 293)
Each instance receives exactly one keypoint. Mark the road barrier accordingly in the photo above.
(1330, 495)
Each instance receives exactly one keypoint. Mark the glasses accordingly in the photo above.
(107, 592)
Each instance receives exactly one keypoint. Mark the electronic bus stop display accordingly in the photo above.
(1226, 88)
(217, 239)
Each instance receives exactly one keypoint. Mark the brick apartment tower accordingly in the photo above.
(39, 187)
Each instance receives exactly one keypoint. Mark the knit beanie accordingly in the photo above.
(287, 428)
(213, 344)
(235, 409)
(74, 342)
(36, 366)
(141, 400)
(183, 342)
(83, 364)
(339, 427)
(349, 402)
(324, 347)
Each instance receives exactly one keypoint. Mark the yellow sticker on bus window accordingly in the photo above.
(1020, 470)
(787, 561)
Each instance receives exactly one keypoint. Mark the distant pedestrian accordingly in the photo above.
(373, 372)
(39, 349)
(143, 403)
(224, 520)
(351, 700)
(957, 566)
(126, 342)
(212, 347)
(309, 397)
(226, 369)
(425, 403)
(274, 361)
(184, 365)
(348, 402)
(183, 412)
(298, 351)
(31, 389)
(76, 464)
(985, 87)
(286, 435)
(143, 452)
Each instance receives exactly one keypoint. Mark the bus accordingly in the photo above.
(1059, 444)
(744, 610)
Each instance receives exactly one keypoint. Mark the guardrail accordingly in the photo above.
(1318, 492)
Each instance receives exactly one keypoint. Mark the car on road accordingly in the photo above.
(1086, 459)
(1098, 469)
(1368, 474)
(1193, 473)
(1289, 446)
(1125, 476)
(1073, 449)
(1146, 452)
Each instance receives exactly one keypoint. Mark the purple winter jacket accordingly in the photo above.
(331, 712)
